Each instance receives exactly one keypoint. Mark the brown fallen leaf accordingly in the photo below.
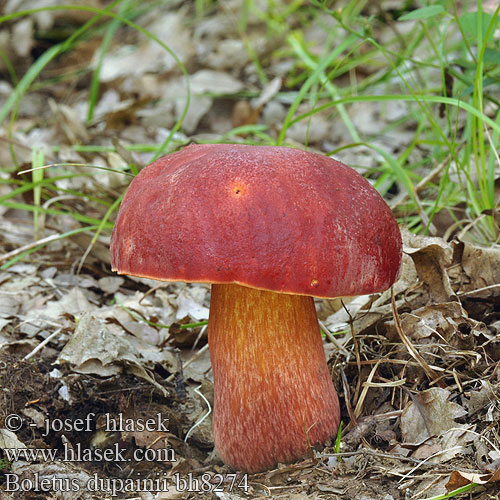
(444, 321)
(429, 419)
(244, 114)
(481, 268)
(459, 479)
(430, 413)
(431, 262)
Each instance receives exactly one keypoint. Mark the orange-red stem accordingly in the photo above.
(271, 381)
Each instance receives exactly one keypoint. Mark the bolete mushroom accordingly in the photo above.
(270, 228)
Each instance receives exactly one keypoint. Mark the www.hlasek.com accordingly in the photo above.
(77, 453)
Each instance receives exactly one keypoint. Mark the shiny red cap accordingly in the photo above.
(267, 217)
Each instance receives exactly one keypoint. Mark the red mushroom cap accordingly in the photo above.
(272, 218)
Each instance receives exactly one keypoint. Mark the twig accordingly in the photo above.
(29, 246)
(411, 348)
(332, 339)
(356, 352)
(478, 290)
(194, 357)
(364, 391)
(429, 458)
(347, 397)
(42, 344)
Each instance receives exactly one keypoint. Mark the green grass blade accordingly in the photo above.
(106, 42)
(35, 69)
(37, 177)
(312, 80)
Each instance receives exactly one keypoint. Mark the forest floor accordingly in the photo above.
(86, 355)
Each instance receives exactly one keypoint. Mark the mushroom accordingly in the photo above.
(271, 228)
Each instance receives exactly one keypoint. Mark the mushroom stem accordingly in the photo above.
(273, 394)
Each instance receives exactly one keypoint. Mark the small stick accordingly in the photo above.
(29, 246)
(194, 357)
(347, 396)
(42, 344)
(332, 339)
(411, 348)
(180, 384)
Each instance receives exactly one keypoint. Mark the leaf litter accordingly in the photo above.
(417, 371)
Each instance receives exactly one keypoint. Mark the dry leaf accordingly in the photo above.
(431, 257)
(111, 284)
(310, 131)
(132, 61)
(75, 303)
(96, 348)
(69, 120)
(444, 321)
(429, 414)
(101, 348)
(217, 82)
(227, 54)
(483, 399)
(268, 92)
(244, 114)
(22, 39)
(9, 440)
(482, 267)
(190, 302)
(459, 479)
